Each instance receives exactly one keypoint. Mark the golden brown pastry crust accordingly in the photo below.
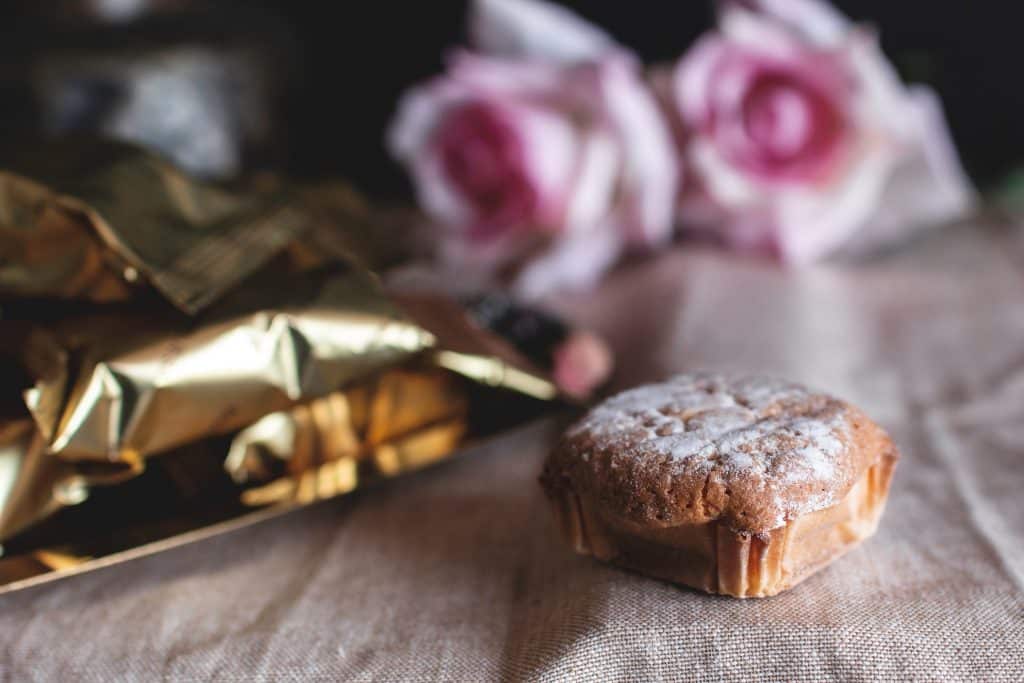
(736, 485)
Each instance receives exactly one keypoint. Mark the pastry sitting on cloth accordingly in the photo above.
(733, 485)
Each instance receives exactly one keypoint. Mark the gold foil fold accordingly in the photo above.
(395, 423)
(48, 249)
(34, 484)
(28, 477)
(94, 220)
(136, 395)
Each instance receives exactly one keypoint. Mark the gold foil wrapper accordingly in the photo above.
(29, 479)
(210, 353)
(34, 484)
(136, 395)
(48, 248)
(396, 423)
(99, 220)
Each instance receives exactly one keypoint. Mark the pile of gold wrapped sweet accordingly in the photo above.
(177, 354)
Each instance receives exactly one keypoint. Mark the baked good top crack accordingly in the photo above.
(751, 452)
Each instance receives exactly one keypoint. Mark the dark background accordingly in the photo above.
(970, 51)
(347, 63)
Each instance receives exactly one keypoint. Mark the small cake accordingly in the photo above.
(743, 486)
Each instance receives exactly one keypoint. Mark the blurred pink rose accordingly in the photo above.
(540, 164)
(797, 134)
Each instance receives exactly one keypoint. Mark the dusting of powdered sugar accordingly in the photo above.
(778, 432)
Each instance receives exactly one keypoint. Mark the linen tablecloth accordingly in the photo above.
(458, 574)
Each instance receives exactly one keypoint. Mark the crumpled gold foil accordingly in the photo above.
(28, 477)
(401, 420)
(86, 219)
(139, 394)
(48, 248)
(34, 484)
(214, 351)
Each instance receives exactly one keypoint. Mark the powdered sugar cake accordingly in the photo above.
(736, 485)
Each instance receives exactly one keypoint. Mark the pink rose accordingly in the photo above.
(541, 164)
(797, 135)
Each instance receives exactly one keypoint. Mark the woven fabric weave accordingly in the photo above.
(459, 574)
